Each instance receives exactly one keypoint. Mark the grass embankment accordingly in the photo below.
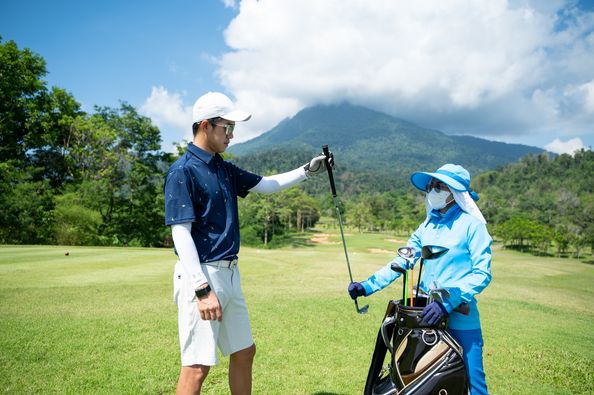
(102, 320)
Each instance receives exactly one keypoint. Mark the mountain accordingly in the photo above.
(373, 151)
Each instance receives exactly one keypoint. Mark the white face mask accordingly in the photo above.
(437, 200)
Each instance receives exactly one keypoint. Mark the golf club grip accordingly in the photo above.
(329, 168)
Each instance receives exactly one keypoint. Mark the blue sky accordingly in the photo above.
(516, 71)
(108, 51)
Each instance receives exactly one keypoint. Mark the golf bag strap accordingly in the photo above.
(377, 361)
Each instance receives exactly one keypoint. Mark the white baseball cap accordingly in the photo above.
(217, 105)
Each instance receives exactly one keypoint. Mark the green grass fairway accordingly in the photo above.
(102, 320)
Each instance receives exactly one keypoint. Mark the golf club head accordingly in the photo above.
(362, 310)
(432, 252)
(439, 294)
(397, 268)
(407, 253)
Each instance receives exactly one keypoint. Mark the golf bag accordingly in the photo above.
(423, 359)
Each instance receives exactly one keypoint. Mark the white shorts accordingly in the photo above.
(198, 339)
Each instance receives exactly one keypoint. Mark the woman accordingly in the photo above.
(453, 221)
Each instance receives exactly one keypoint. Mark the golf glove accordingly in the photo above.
(433, 313)
(356, 290)
(318, 164)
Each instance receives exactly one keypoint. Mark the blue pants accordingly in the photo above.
(472, 343)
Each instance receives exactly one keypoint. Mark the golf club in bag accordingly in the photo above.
(424, 359)
(326, 152)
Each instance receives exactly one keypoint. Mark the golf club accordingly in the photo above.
(326, 152)
(433, 252)
(408, 254)
(438, 294)
(400, 270)
(429, 252)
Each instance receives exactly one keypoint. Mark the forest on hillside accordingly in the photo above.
(74, 178)
(541, 204)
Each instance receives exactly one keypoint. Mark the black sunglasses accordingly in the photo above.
(437, 185)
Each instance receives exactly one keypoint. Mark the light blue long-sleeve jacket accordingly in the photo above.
(465, 270)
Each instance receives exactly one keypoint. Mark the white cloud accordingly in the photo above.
(169, 113)
(166, 108)
(588, 92)
(493, 67)
(229, 3)
(565, 147)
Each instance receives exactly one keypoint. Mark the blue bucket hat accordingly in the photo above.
(455, 176)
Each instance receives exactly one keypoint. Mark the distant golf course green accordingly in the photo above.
(102, 320)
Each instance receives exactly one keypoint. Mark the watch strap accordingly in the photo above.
(203, 291)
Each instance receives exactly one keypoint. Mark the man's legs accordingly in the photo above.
(240, 371)
(197, 338)
(191, 379)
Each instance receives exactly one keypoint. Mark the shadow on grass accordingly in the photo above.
(300, 240)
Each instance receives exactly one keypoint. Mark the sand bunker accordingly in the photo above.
(322, 238)
(379, 251)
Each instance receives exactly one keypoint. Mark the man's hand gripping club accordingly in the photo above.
(318, 164)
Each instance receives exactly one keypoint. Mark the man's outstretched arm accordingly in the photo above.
(278, 182)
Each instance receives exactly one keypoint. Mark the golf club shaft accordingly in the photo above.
(419, 279)
(346, 254)
(411, 286)
(404, 291)
(335, 200)
(405, 287)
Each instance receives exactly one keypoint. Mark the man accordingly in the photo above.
(453, 221)
(201, 192)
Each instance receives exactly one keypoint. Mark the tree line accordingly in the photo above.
(69, 177)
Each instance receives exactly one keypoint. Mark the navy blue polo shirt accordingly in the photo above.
(202, 188)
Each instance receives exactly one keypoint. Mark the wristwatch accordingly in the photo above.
(203, 291)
